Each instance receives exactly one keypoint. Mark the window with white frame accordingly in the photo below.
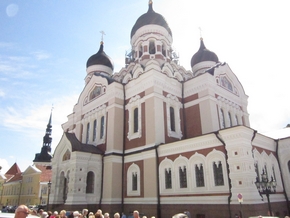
(218, 173)
(134, 121)
(222, 119)
(168, 178)
(173, 106)
(199, 175)
(133, 180)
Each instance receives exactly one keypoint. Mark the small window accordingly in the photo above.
(182, 177)
(134, 181)
(230, 119)
(222, 119)
(172, 119)
(90, 182)
(88, 133)
(95, 130)
(136, 120)
(218, 173)
(152, 49)
(168, 180)
(199, 175)
(102, 128)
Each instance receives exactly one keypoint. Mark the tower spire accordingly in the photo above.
(44, 155)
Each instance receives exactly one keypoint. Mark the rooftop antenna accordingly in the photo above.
(103, 33)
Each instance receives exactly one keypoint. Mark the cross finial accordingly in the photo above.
(200, 32)
(103, 33)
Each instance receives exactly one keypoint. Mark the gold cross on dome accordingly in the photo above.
(103, 33)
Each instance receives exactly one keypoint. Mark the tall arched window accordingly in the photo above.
(152, 49)
(102, 128)
(230, 119)
(182, 177)
(218, 173)
(88, 133)
(95, 130)
(90, 182)
(135, 120)
(172, 119)
(222, 119)
(168, 179)
(199, 175)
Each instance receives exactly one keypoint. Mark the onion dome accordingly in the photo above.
(151, 17)
(100, 58)
(203, 54)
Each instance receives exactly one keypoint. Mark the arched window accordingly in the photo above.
(90, 182)
(230, 119)
(88, 133)
(218, 173)
(199, 175)
(152, 49)
(140, 51)
(168, 179)
(182, 177)
(163, 50)
(136, 120)
(172, 119)
(102, 128)
(236, 118)
(289, 166)
(222, 119)
(95, 130)
(134, 181)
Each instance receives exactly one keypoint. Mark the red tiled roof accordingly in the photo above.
(16, 177)
(13, 170)
(46, 173)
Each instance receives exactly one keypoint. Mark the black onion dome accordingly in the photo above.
(100, 58)
(151, 17)
(203, 54)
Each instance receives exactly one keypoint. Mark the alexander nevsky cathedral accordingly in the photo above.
(162, 140)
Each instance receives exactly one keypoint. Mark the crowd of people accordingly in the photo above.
(23, 211)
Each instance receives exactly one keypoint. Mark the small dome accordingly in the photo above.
(100, 58)
(203, 54)
(151, 17)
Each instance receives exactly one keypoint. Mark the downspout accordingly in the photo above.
(123, 154)
(102, 182)
(158, 181)
(183, 110)
(281, 174)
(228, 173)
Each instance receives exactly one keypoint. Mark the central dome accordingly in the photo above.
(151, 17)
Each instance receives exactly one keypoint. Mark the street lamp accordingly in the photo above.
(48, 186)
(266, 187)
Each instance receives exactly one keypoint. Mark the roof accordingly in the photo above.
(12, 171)
(78, 146)
(203, 54)
(46, 173)
(100, 58)
(151, 17)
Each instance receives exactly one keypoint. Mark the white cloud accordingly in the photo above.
(5, 166)
(41, 55)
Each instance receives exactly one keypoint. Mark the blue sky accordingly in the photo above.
(44, 46)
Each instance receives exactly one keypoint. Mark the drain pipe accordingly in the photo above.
(281, 174)
(123, 154)
(228, 172)
(158, 181)
(183, 111)
(102, 182)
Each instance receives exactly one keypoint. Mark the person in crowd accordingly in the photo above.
(123, 215)
(99, 211)
(76, 214)
(22, 211)
(106, 215)
(40, 211)
(117, 215)
(91, 215)
(49, 214)
(44, 214)
(62, 214)
(54, 215)
(85, 213)
(136, 214)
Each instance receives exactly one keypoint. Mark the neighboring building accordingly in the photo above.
(157, 138)
(31, 186)
(2, 181)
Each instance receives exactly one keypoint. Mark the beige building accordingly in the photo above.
(157, 138)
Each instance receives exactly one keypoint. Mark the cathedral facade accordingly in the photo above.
(159, 139)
